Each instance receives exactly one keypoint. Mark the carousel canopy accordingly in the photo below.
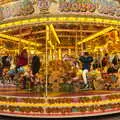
(63, 36)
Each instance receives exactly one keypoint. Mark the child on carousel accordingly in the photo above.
(86, 61)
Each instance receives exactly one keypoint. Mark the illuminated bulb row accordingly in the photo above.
(60, 19)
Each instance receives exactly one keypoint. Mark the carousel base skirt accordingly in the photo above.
(24, 103)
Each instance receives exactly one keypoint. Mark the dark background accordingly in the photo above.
(107, 117)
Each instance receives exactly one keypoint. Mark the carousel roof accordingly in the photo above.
(68, 34)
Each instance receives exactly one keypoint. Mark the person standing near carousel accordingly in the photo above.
(86, 60)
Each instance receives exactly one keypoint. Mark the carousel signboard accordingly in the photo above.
(21, 8)
(108, 8)
(77, 7)
(16, 9)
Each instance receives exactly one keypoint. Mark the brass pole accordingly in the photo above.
(46, 60)
(81, 38)
(76, 46)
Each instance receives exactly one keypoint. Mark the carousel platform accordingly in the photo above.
(12, 90)
(24, 103)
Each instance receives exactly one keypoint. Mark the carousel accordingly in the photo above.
(43, 49)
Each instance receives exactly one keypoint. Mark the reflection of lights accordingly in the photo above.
(51, 54)
(103, 46)
(35, 52)
(50, 43)
(60, 53)
(96, 34)
(116, 36)
(1, 47)
(95, 49)
(69, 51)
(29, 48)
(32, 52)
(19, 40)
(54, 33)
(47, 37)
(101, 49)
(47, 32)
